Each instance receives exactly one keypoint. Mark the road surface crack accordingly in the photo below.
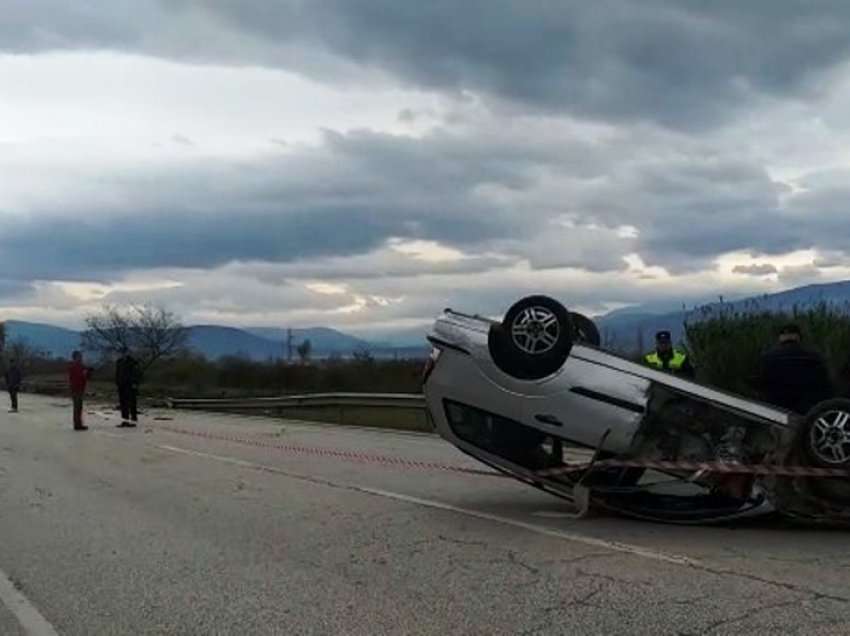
(512, 557)
(745, 616)
(565, 605)
(814, 594)
(610, 579)
(584, 557)
(478, 544)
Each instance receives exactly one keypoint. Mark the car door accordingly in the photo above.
(584, 401)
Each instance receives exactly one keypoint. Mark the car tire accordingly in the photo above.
(806, 491)
(585, 330)
(825, 435)
(534, 339)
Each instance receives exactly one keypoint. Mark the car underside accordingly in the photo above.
(603, 432)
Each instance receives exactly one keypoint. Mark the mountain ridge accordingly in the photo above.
(624, 329)
(627, 331)
(217, 341)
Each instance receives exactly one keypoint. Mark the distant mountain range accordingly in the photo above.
(626, 329)
(328, 339)
(56, 341)
(214, 341)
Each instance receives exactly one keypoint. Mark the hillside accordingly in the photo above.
(215, 341)
(323, 339)
(52, 341)
(624, 329)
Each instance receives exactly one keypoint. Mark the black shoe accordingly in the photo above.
(81, 428)
(132, 424)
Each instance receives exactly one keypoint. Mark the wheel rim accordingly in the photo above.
(535, 330)
(830, 437)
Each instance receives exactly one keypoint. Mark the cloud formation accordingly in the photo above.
(476, 191)
(764, 269)
(684, 64)
(605, 152)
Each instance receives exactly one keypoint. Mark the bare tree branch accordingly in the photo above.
(21, 350)
(150, 333)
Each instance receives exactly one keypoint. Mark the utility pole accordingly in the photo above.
(289, 344)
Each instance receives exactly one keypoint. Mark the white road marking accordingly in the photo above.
(615, 546)
(551, 514)
(28, 616)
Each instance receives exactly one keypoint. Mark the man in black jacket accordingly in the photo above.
(13, 378)
(127, 378)
(793, 377)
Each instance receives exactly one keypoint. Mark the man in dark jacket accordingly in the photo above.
(13, 378)
(127, 377)
(792, 376)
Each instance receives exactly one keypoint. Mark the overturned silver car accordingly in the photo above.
(536, 397)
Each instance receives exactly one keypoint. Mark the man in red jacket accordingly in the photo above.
(78, 376)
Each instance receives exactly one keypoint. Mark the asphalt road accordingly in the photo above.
(211, 524)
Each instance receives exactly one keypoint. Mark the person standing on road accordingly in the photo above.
(78, 377)
(13, 378)
(127, 377)
(668, 358)
(793, 377)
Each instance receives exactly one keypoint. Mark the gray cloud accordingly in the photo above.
(684, 64)
(762, 269)
(44, 25)
(696, 205)
(237, 295)
(537, 193)
(182, 140)
(832, 259)
(347, 197)
(407, 116)
(797, 274)
(517, 177)
(14, 288)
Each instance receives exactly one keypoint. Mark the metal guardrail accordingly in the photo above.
(340, 403)
(314, 400)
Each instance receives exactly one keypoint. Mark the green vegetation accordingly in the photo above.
(190, 375)
(725, 344)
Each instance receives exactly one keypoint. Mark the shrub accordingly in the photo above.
(725, 343)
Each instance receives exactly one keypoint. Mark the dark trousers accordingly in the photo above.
(127, 398)
(77, 399)
(13, 396)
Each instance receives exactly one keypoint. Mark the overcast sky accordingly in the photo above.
(363, 165)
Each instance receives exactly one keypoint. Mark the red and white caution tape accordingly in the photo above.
(727, 468)
(330, 452)
(317, 451)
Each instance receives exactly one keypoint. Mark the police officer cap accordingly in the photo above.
(662, 336)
